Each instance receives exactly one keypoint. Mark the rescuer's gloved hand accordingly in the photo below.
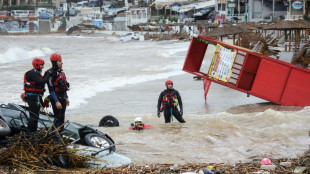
(46, 101)
(158, 114)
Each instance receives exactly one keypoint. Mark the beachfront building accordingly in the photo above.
(183, 11)
(297, 9)
(136, 15)
(4, 3)
(197, 11)
(167, 8)
(267, 10)
(232, 10)
(258, 10)
(7, 3)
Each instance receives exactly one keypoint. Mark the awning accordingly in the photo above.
(163, 3)
(185, 10)
(197, 5)
(205, 5)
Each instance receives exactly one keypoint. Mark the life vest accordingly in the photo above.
(170, 99)
(61, 82)
(31, 86)
(145, 126)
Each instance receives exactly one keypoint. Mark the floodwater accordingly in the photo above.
(124, 79)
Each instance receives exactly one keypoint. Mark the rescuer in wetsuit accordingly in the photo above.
(34, 88)
(58, 87)
(170, 99)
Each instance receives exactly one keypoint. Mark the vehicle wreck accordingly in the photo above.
(93, 148)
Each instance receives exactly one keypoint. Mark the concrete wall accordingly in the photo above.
(260, 9)
(44, 26)
(120, 26)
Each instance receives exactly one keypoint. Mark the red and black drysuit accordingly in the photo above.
(58, 86)
(34, 85)
(166, 98)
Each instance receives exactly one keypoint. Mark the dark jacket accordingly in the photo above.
(163, 93)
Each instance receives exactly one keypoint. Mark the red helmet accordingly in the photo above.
(55, 57)
(168, 82)
(37, 62)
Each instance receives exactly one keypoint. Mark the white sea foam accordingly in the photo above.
(79, 96)
(17, 53)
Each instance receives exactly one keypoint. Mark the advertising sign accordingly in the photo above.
(203, 11)
(222, 62)
(231, 5)
(297, 5)
(159, 6)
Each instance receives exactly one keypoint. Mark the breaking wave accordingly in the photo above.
(79, 96)
(17, 53)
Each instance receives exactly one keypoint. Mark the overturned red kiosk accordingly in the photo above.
(249, 72)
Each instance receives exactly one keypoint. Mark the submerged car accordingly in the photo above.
(131, 36)
(14, 119)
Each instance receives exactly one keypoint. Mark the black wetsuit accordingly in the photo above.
(168, 109)
(59, 114)
(34, 98)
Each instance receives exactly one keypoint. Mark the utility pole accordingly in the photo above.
(100, 4)
(68, 14)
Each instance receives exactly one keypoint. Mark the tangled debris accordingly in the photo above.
(290, 166)
(159, 37)
(249, 39)
(78, 29)
(44, 150)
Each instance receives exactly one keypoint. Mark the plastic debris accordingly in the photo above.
(174, 168)
(208, 171)
(286, 164)
(268, 167)
(300, 169)
(266, 161)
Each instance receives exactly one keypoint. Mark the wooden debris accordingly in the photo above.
(39, 151)
(219, 168)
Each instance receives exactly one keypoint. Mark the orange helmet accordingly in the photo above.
(37, 62)
(55, 57)
(168, 82)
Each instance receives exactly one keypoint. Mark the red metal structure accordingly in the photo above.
(255, 74)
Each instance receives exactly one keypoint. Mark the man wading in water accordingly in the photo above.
(170, 98)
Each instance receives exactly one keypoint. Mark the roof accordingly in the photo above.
(225, 30)
(163, 3)
(286, 25)
(197, 5)
(185, 9)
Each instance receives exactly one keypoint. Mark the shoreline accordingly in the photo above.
(300, 164)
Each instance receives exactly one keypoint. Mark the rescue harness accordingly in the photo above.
(61, 84)
(31, 86)
(170, 99)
